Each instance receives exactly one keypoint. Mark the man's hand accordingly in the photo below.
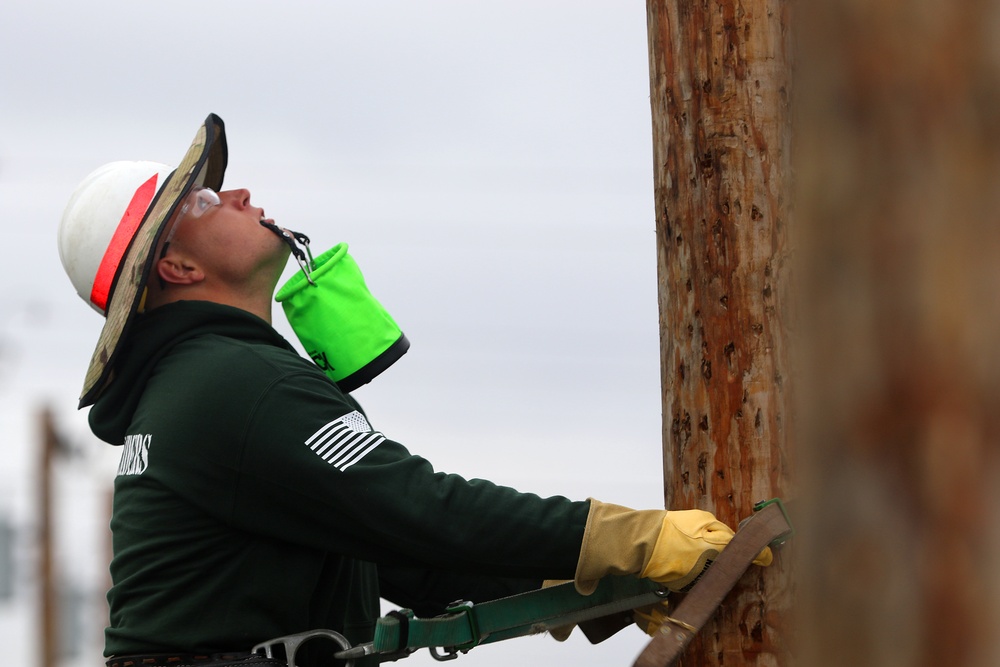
(669, 547)
(688, 539)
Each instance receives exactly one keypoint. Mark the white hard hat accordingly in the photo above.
(99, 222)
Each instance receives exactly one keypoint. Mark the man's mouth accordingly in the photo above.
(269, 223)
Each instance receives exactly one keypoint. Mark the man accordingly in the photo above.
(254, 499)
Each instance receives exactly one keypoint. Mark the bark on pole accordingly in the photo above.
(719, 82)
(900, 212)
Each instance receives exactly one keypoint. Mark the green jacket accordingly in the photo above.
(253, 499)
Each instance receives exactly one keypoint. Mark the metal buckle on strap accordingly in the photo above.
(459, 608)
(292, 643)
(676, 621)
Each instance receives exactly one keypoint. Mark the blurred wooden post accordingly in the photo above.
(899, 169)
(719, 78)
(47, 603)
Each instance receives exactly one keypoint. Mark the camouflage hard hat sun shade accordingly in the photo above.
(204, 164)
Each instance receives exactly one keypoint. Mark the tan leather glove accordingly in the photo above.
(669, 547)
(562, 633)
(651, 618)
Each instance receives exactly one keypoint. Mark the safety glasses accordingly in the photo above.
(197, 202)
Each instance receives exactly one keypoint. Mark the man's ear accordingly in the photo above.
(176, 270)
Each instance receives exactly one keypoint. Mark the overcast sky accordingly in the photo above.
(488, 163)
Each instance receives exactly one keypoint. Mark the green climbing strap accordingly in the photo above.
(466, 625)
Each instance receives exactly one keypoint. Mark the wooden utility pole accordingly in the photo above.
(719, 81)
(47, 592)
(900, 214)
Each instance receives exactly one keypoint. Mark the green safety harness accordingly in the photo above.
(466, 625)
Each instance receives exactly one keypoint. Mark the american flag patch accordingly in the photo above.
(345, 441)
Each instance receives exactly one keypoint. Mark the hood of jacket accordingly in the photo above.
(152, 337)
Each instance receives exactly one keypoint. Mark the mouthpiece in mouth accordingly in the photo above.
(293, 239)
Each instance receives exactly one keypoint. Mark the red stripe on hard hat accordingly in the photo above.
(120, 241)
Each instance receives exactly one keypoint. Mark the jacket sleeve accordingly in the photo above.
(314, 471)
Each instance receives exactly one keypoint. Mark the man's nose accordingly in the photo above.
(239, 198)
